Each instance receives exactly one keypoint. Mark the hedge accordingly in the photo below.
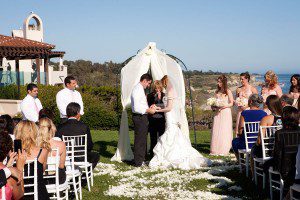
(100, 103)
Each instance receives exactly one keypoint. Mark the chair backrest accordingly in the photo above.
(51, 171)
(267, 135)
(30, 178)
(69, 155)
(80, 146)
(251, 131)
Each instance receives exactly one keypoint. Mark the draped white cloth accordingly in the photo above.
(159, 65)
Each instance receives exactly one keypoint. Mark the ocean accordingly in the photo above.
(284, 81)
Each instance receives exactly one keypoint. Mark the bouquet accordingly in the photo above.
(211, 101)
(214, 102)
(242, 101)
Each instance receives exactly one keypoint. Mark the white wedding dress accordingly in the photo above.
(174, 149)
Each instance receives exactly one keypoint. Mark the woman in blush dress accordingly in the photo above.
(271, 87)
(222, 126)
(295, 89)
(243, 92)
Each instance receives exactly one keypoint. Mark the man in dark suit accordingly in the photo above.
(156, 121)
(74, 127)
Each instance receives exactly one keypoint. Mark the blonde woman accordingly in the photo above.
(47, 141)
(27, 132)
(157, 121)
(271, 87)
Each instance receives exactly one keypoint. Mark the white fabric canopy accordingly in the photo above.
(159, 64)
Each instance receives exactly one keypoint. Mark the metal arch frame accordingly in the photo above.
(190, 91)
(181, 63)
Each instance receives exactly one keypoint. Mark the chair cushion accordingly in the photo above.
(75, 172)
(83, 164)
(52, 187)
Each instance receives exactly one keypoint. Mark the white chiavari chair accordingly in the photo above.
(251, 131)
(80, 156)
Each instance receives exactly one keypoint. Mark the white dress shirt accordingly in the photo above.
(30, 108)
(139, 103)
(66, 96)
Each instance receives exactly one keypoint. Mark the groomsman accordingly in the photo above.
(31, 105)
(68, 95)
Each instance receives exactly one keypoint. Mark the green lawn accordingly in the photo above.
(146, 180)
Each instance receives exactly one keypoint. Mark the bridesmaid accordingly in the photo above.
(295, 89)
(271, 87)
(243, 91)
(222, 125)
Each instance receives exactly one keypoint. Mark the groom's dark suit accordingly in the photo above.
(139, 108)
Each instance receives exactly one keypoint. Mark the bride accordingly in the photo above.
(173, 148)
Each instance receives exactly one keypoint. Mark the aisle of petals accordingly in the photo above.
(147, 183)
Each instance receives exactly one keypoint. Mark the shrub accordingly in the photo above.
(99, 103)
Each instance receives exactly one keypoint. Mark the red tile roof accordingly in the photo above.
(8, 41)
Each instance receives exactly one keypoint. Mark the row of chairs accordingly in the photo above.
(267, 135)
(76, 147)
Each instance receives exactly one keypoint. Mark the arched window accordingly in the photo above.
(34, 24)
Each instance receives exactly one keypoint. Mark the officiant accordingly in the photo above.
(157, 120)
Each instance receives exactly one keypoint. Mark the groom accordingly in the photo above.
(140, 109)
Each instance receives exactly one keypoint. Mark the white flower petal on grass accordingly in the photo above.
(149, 183)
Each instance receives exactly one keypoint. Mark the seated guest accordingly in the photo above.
(31, 105)
(74, 127)
(6, 124)
(286, 144)
(46, 113)
(13, 188)
(274, 105)
(16, 120)
(47, 141)
(253, 115)
(285, 100)
(27, 132)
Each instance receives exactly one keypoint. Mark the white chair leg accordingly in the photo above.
(80, 190)
(247, 164)
(92, 176)
(240, 162)
(67, 194)
(87, 178)
(75, 187)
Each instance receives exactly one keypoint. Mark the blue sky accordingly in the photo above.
(223, 35)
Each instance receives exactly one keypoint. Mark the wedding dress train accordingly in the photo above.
(174, 150)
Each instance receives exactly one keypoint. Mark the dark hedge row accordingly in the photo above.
(100, 103)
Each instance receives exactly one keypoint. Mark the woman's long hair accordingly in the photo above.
(46, 132)
(297, 87)
(273, 79)
(224, 88)
(274, 105)
(27, 132)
